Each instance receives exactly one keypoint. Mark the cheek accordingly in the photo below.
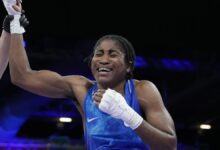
(122, 66)
(93, 66)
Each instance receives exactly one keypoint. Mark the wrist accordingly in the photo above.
(133, 119)
(15, 26)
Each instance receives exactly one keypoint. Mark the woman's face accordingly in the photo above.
(108, 63)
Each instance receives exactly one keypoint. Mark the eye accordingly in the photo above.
(98, 54)
(113, 54)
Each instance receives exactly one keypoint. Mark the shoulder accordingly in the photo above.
(79, 85)
(147, 93)
(144, 85)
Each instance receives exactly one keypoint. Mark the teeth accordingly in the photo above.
(104, 69)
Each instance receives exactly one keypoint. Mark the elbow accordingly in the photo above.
(18, 80)
(172, 144)
(169, 144)
(18, 76)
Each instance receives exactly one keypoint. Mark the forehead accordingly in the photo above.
(108, 44)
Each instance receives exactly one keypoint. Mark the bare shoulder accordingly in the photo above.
(145, 85)
(79, 85)
(147, 93)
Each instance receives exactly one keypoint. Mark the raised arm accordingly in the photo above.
(4, 51)
(4, 44)
(157, 129)
(43, 82)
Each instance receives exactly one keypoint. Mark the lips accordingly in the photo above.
(104, 69)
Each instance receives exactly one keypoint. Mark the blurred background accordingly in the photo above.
(177, 48)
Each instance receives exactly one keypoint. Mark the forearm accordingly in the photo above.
(155, 138)
(4, 51)
(19, 64)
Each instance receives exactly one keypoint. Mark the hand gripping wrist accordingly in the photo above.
(15, 26)
(6, 23)
(114, 104)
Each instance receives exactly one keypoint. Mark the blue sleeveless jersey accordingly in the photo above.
(103, 132)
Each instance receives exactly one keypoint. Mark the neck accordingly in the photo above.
(119, 87)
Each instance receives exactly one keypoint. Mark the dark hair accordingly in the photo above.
(126, 46)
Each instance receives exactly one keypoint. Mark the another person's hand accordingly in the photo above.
(6, 23)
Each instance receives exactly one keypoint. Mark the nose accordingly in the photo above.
(104, 60)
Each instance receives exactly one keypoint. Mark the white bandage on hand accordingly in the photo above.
(8, 6)
(114, 104)
(15, 26)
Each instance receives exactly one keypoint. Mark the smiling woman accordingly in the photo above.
(118, 112)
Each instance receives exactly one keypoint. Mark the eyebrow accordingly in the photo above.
(110, 50)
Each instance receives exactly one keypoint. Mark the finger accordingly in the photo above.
(25, 20)
(16, 8)
(96, 103)
(97, 98)
(22, 18)
(27, 23)
(10, 17)
(101, 90)
(98, 94)
(18, 1)
(18, 4)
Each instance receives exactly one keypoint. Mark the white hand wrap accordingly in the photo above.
(15, 26)
(8, 6)
(114, 104)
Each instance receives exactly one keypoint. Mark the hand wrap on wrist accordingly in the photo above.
(114, 104)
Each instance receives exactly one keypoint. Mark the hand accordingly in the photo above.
(6, 23)
(114, 104)
(23, 21)
(18, 6)
(13, 7)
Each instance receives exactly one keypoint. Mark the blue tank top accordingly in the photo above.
(103, 132)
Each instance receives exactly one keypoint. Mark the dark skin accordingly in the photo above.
(157, 129)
